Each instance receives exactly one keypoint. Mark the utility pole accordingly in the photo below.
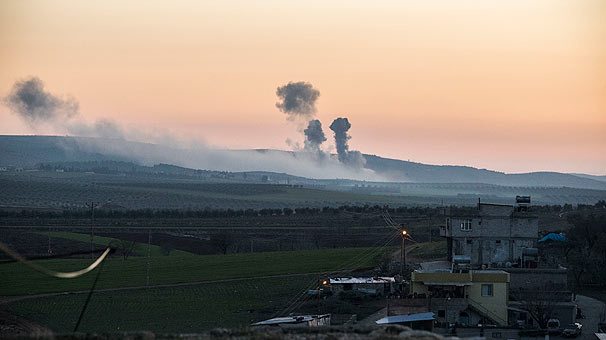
(403, 253)
(92, 207)
(148, 252)
(50, 250)
(429, 227)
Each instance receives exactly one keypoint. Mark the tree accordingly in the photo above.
(222, 241)
(126, 247)
(540, 304)
(586, 248)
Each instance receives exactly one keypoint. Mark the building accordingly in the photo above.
(506, 237)
(297, 321)
(465, 298)
(370, 285)
(492, 235)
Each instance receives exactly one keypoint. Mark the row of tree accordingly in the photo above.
(307, 211)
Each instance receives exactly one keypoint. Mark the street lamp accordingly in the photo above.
(403, 252)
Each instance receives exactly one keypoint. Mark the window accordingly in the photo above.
(441, 313)
(487, 290)
(498, 241)
(468, 241)
(466, 225)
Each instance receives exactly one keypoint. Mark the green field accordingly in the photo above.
(139, 248)
(175, 309)
(18, 279)
(433, 250)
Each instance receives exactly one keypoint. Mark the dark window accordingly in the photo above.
(468, 241)
(487, 290)
(441, 313)
(347, 286)
(498, 241)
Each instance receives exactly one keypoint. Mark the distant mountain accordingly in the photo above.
(31, 151)
(424, 173)
(597, 178)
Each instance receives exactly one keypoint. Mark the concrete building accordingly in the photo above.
(493, 235)
(505, 237)
(467, 298)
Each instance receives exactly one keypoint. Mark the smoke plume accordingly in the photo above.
(33, 103)
(314, 136)
(297, 99)
(340, 126)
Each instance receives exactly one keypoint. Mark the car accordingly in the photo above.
(573, 330)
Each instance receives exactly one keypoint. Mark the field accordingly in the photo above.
(21, 280)
(138, 248)
(187, 292)
(175, 309)
(71, 190)
(430, 251)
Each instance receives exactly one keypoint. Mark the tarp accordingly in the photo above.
(406, 318)
(553, 237)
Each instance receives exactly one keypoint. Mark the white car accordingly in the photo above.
(573, 330)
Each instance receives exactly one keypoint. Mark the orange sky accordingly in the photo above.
(510, 85)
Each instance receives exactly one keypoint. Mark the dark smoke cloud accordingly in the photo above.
(340, 126)
(314, 136)
(297, 99)
(33, 103)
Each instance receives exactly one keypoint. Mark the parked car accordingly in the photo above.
(553, 326)
(573, 330)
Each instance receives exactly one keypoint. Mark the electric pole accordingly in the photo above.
(148, 253)
(403, 253)
(92, 207)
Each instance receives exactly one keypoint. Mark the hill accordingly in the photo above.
(31, 151)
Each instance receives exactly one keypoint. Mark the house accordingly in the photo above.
(370, 285)
(506, 237)
(466, 298)
(492, 235)
(297, 321)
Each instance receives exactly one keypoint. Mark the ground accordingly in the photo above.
(592, 309)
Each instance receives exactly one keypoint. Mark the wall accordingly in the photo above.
(537, 278)
(496, 304)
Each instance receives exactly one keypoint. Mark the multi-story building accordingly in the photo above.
(493, 235)
(466, 298)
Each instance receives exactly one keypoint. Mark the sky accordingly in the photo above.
(507, 85)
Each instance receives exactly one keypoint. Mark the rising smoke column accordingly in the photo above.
(297, 99)
(340, 126)
(36, 106)
(33, 103)
(314, 136)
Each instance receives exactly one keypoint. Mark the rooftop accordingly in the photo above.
(370, 280)
(406, 318)
(290, 319)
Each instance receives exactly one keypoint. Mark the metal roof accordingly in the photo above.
(290, 319)
(406, 318)
(372, 280)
